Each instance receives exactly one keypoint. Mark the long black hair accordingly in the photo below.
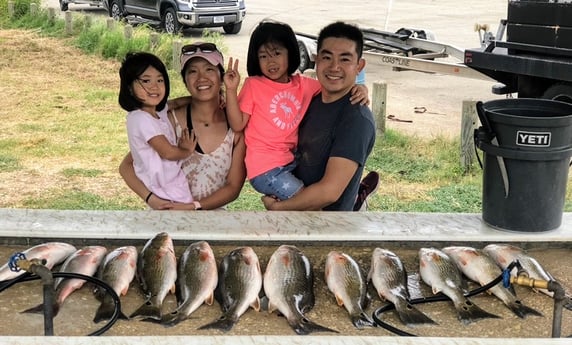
(272, 32)
(132, 67)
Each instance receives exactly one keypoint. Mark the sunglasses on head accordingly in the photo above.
(191, 49)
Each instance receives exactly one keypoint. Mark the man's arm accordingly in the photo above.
(338, 174)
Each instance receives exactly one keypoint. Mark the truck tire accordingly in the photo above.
(116, 10)
(64, 5)
(305, 62)
(232, 28)
(169, 21)
(559, 92)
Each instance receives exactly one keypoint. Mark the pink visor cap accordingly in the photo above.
(207, 51)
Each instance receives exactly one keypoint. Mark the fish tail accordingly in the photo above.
(105, 312)
(39, 309)
(147, 311)
(410, 315)
(172, 319)
(304, 326)
(568, 302)
(224, 324)
(521, 310)
(361, 320)
(468, 312)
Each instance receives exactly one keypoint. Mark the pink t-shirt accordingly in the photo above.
(276, 110)
(162, 177)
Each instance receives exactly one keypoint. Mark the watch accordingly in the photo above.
(198, 206)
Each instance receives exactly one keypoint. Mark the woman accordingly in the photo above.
(215, 171)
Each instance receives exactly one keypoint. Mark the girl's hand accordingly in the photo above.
(232, 76)
(188, 141)
(359, 94)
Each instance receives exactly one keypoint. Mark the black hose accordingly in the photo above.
(438, 298)
(116, 312)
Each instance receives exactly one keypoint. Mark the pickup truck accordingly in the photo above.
(174, 15)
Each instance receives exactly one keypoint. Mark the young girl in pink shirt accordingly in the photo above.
(270, 106)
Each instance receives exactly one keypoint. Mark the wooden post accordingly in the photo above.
(110, 23)
(469, 122)
(33, 9)
(68, 21)
(51, 14)
(128, 31)
(379, 104)
(177, 45)
(10, 9)
(154, 40)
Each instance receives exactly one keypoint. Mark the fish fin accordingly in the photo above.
(210, 299)
(223, 323)
(173, 318)
(435, 290)
(410, 315)
(522, 310)
(124, 291)
(468, 312)
(39, 309)
(147, 311)
(105, 312)
(339, 300)
(256, 304)
(304, 326)
(271, 307)
(173, 289)
(361, 320)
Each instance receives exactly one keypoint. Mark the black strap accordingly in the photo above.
(190, 127)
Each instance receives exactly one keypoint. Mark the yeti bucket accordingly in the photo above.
(527, 145)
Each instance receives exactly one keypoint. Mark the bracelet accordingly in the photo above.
(148, 196)
(198, 206)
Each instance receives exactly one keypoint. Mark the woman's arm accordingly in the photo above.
(127, 172)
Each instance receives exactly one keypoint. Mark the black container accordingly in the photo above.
(534, 140)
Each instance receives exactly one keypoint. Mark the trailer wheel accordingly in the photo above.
(559, 92)
(305, 62)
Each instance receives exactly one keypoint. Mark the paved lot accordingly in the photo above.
(451, 21)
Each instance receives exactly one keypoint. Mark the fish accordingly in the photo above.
(157, 274)
(117, 270)
(480, 268)
(197, 278)
(439, 272)
(239, 283)
(345, 280)
(505, 254)
(389, 278)
(288, 285)
(54, 253)
(83, 261)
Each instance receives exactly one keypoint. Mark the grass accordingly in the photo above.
(63, 134)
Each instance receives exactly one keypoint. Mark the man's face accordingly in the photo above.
(337, 66)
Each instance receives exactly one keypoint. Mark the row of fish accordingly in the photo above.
(287, 282)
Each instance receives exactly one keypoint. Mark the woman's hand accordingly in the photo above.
(232, 76)
(359, 94)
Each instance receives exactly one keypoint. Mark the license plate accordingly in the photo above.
(218, 19)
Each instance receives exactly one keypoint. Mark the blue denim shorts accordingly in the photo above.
(279, 182)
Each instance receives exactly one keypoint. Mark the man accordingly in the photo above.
(335, 137)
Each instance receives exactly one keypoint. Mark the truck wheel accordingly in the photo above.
(305, 62)
(116, 10)
(64, 5)
(232, 28)
(559, 92)
(169, 21)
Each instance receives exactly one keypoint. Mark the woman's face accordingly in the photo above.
(203, 80)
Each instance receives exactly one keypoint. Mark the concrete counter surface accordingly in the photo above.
(274, 340)
(265, 226)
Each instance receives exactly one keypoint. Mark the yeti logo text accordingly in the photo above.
(538, 139)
